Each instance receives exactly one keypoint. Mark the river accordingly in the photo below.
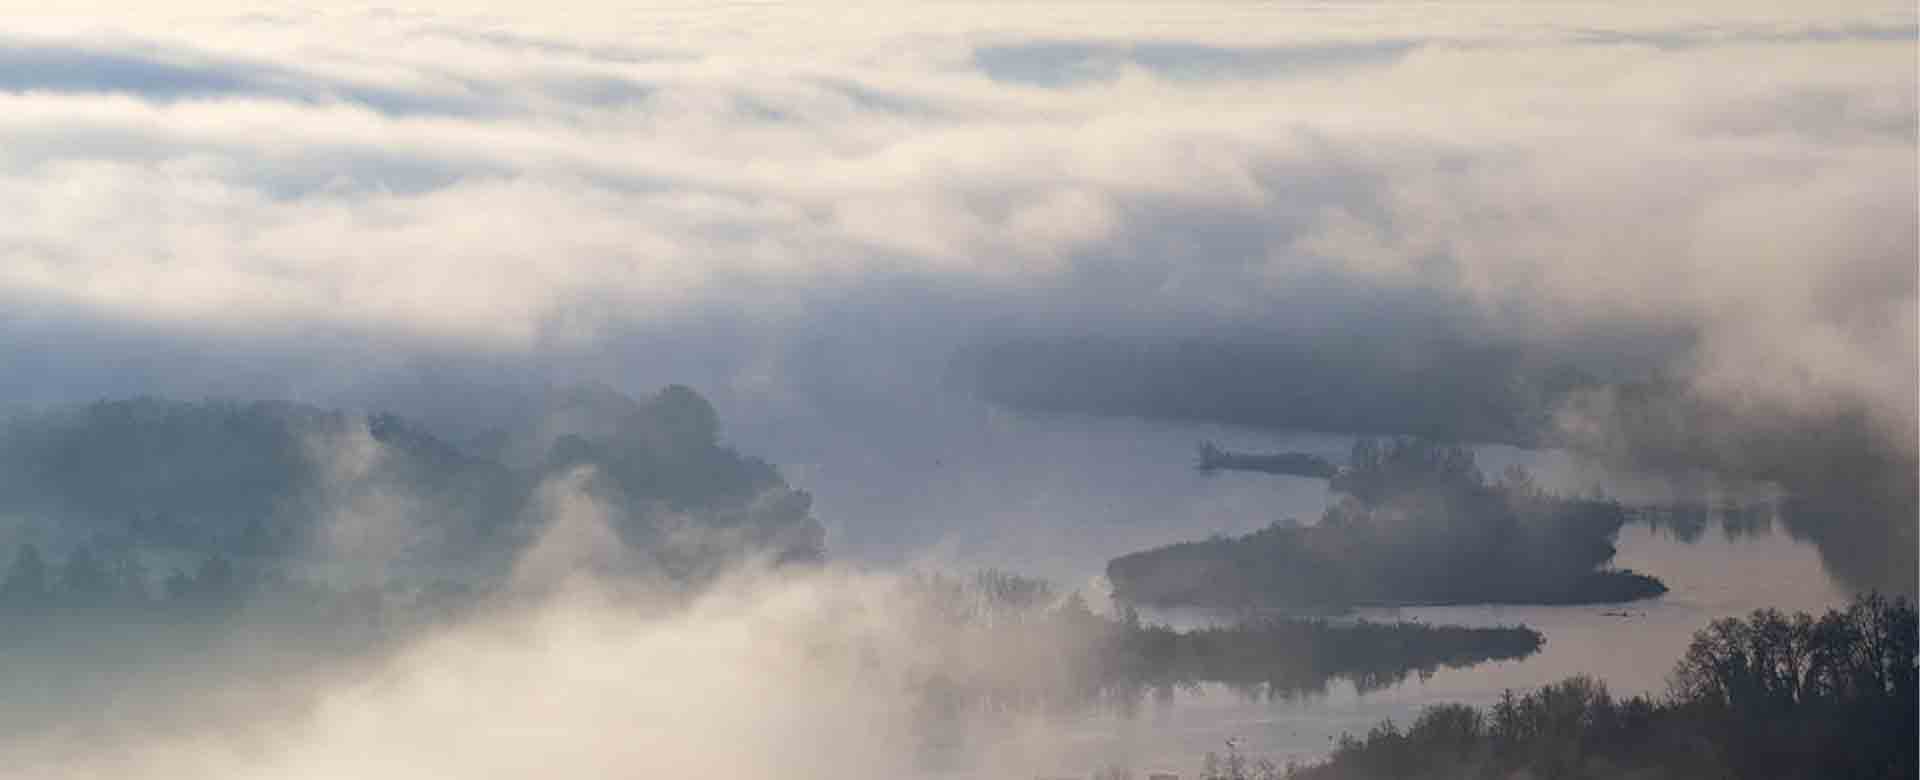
(958, 485)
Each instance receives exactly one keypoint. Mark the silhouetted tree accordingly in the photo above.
(84, 579)
(27, 581)
(1413, 522)
(1766, 696)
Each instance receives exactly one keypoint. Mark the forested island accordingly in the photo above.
(1069, 654)
(1415, 523)
(1292, 464)
(155, 549)
(205, 539)
(992, 642)
(1848, 484)
(1849, 487)
(1072, 655)
(1773, 696)
(273, 480)
(192, 567)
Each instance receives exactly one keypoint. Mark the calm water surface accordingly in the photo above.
(1060, 495)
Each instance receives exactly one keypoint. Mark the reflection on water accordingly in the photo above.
(1631, 647)
(962, 485)
(1095, 482)
(1689, 522)
(1058, 496)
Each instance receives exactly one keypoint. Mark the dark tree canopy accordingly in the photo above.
(1414, 522)
(265, 478)
(1768, 696)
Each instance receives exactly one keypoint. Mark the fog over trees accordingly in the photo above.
(999, 645)
(284, 480)
(206, 538)
(1853, 485)
(1413, 522)
(794, 389)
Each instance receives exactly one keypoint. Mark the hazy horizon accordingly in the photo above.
(954, 284)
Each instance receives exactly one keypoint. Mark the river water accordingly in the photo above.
(958, 485)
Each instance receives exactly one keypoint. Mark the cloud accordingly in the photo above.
(816, 674)
(805, 213)
(731, 182)
(1056, 63)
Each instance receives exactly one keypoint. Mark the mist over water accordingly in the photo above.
(816, 673)
(1063, 494)
(797, 674)
(1629, 646)
(1668, 248)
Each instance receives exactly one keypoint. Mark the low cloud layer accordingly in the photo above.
(807, 212)
(581, 665)
(417, 184)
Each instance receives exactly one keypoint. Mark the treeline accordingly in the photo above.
(1286, 657)
(1415, 523)
(1006, 641)
(106, 641)
(1294, 464)
(1054, 652)
(1768, 696)
(112, 585)
(1852, 481)
(134, 634)
(1853, 485)
(270, 478)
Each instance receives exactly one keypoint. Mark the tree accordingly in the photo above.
(128, 574)
(686, 418)
(1763, 696)
(1235, 766)
(26, 582)
(215, 580)
(178, 586)
(85, 579)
